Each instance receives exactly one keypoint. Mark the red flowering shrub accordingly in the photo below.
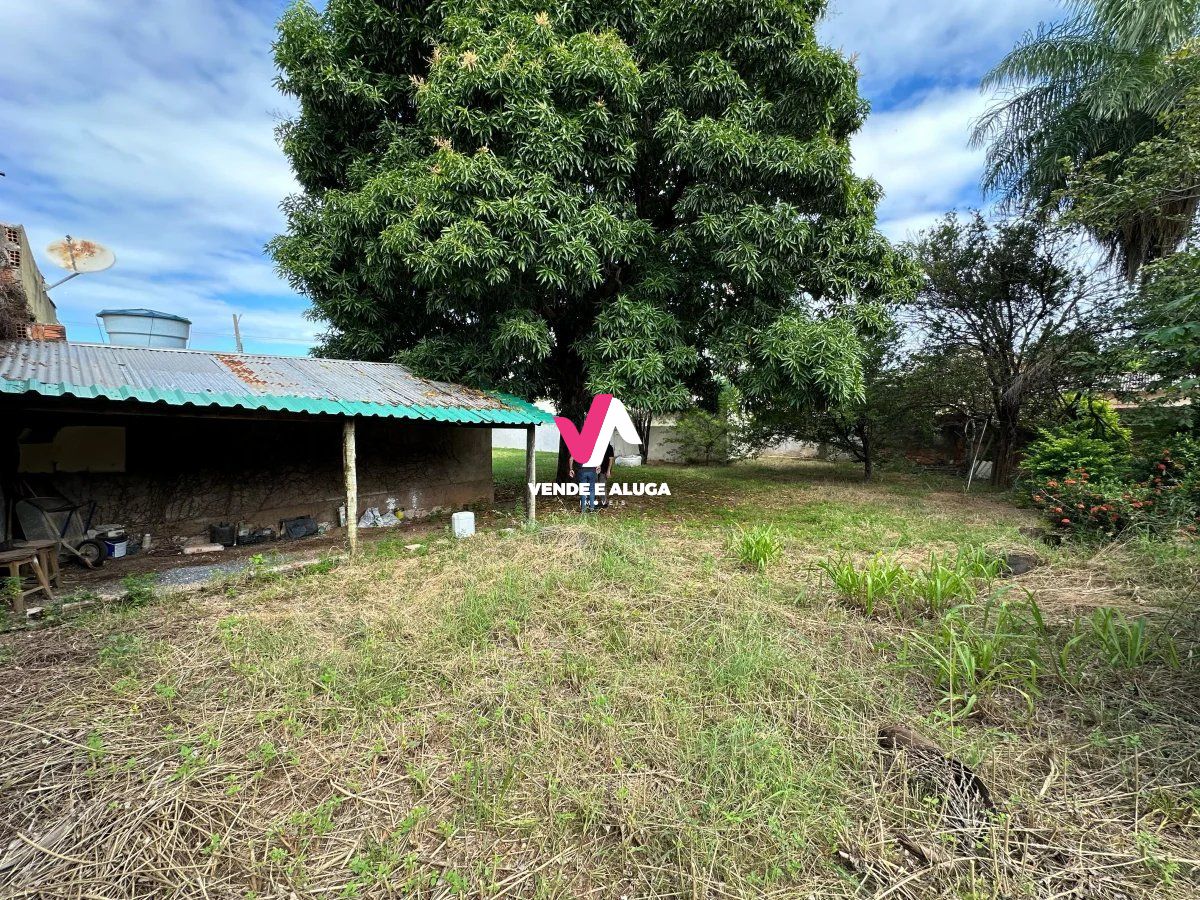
(1165, 502)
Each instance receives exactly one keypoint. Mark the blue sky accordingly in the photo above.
(149, 126)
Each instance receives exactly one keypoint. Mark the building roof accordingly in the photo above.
(203, 378)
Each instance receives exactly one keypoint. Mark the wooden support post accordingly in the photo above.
(530, 473)
(349, 464)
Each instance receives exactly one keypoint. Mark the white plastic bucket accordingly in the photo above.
(116, 549)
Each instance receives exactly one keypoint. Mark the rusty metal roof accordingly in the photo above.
(301, 384)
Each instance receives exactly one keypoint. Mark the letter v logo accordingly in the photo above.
(606, 415)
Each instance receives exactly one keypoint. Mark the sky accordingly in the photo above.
(149, 126)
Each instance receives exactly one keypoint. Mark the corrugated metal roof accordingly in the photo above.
(283, 383)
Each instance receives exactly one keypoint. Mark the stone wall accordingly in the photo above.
(181, 474)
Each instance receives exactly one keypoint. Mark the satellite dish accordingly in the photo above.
(79, 256)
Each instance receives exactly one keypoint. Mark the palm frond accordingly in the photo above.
(1095, 84)
(1136, 25)
(1052, 53)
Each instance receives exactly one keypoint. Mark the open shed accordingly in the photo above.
(171, 441)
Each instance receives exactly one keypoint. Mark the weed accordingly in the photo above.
(758, 547)
(95, 746)
(320, 819)
(1123, 643)
(1159, 864)
(120, 651)
(943, 583)
(880, 580)
(975, 561)
(166, 691)
(977, 650)
(139, 590)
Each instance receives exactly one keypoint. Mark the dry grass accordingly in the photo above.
(614, 708)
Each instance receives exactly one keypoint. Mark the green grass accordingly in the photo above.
(678, 697)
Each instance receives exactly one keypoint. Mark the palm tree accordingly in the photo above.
(1091, 87)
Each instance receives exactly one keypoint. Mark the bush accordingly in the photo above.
(702, 438)
(708, 438)
(1062, 451)
(1174, 466)
(1163, 504)
(1095, 416)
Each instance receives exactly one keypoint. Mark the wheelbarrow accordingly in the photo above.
(58, 519)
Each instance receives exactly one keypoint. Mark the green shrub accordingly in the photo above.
(1177, 466)
(1059, 452)
(708, 438)
(1086, 507)
(1096, 416)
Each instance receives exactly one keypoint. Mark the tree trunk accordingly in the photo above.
(570, 394)
(1004, 465)
(864, 439)
(642, 420)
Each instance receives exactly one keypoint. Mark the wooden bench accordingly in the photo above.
(48, 552)
(24, 558)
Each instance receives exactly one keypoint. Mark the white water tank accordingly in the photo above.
(145, 328)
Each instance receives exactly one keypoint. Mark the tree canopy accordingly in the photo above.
(1012, 296)
(640, 196)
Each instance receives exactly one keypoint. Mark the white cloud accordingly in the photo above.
(899, 42)
(151, 129)
(920, 156)
(921, 65)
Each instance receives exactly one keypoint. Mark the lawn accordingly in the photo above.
(677, 697)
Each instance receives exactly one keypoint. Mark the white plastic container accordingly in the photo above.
(117, 549)
(462, 524)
